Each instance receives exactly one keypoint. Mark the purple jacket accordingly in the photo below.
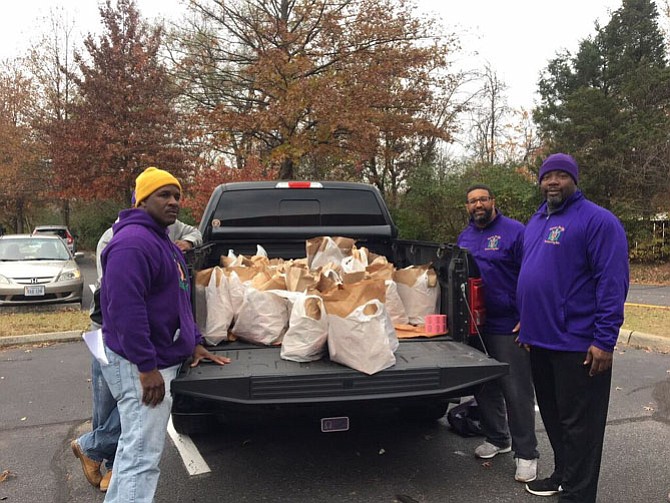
(145, 295)
(574, 277)
(497, 249)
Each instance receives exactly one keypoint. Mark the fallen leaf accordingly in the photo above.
(5, 475)
(403, 498)
(487, 464)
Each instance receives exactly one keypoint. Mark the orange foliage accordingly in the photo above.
(207, 179)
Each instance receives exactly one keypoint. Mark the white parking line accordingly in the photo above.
(193, 461)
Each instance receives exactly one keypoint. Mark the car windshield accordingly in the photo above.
(33, 249)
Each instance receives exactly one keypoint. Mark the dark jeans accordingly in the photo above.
(574, 407)
(507, 405)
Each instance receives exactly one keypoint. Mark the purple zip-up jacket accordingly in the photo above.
(574, 277)
(144, 296)
(497, 249)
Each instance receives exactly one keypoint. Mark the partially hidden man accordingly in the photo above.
(506, 405)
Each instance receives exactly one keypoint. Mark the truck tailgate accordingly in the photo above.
(257, 375)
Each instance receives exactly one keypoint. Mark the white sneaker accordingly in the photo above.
(526, 470)
(487, 450)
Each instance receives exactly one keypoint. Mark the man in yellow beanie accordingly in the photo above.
(150, 180)
(148, 330)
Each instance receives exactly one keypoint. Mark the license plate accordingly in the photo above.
(330, 424)
(34, 291)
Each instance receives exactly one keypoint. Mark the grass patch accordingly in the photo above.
(650, 274)
(654, 321)
(39, 323)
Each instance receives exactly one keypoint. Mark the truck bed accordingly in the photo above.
(258, 376)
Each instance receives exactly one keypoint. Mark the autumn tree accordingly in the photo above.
(124, 118)
(345, 89)
(50, 64)
(21, 158)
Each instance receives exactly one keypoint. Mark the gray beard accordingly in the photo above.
(553, 203)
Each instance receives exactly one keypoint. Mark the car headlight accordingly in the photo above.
(69, 275)
(3, 280)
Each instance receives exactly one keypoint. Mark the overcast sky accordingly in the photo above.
(516, 37)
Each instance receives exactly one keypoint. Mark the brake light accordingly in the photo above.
(476, 302)
(299, 185)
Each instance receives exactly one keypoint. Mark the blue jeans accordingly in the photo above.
(100, 443)
(143, 431)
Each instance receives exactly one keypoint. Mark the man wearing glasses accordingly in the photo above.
(507, 405)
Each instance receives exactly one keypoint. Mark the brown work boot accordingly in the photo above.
(90, 467)
(106, 479)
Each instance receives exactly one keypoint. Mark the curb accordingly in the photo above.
(17, 340)
(641, 340)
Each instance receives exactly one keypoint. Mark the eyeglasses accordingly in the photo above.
(475, 200)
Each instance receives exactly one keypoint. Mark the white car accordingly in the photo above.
(38, 269)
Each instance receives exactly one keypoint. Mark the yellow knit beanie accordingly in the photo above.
(150, 180)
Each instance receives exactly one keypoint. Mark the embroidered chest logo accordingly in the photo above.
(555, 235)
(183, 282)
(492, 243)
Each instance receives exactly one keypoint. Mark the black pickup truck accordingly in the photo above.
(281, 216)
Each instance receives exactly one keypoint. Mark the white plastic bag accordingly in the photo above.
(365, 340)
(420, 292)
(394, 305)
(325, 250)
(307, 334)
(219, 309)
(236, 292)
(263, 317)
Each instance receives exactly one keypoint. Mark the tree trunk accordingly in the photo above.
(66, 212)
(19, 216)
(286, 169)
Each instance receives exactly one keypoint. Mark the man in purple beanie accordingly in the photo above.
(506, 405)
(571, 291)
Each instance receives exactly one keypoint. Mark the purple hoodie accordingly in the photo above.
(145, 295)
(497, 249)
(574, 277)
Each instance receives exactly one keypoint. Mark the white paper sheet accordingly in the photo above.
(93, 340)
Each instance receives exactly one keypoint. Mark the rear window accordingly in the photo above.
(298, 208)
(56, 232)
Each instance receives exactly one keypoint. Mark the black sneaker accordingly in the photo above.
(544, 487)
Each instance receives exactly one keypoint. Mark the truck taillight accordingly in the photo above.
(476, 302)
(298, 185)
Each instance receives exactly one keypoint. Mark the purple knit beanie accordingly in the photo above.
(563, 162)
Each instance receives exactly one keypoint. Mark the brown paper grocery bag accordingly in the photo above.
(300, 279)
(344, 299)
